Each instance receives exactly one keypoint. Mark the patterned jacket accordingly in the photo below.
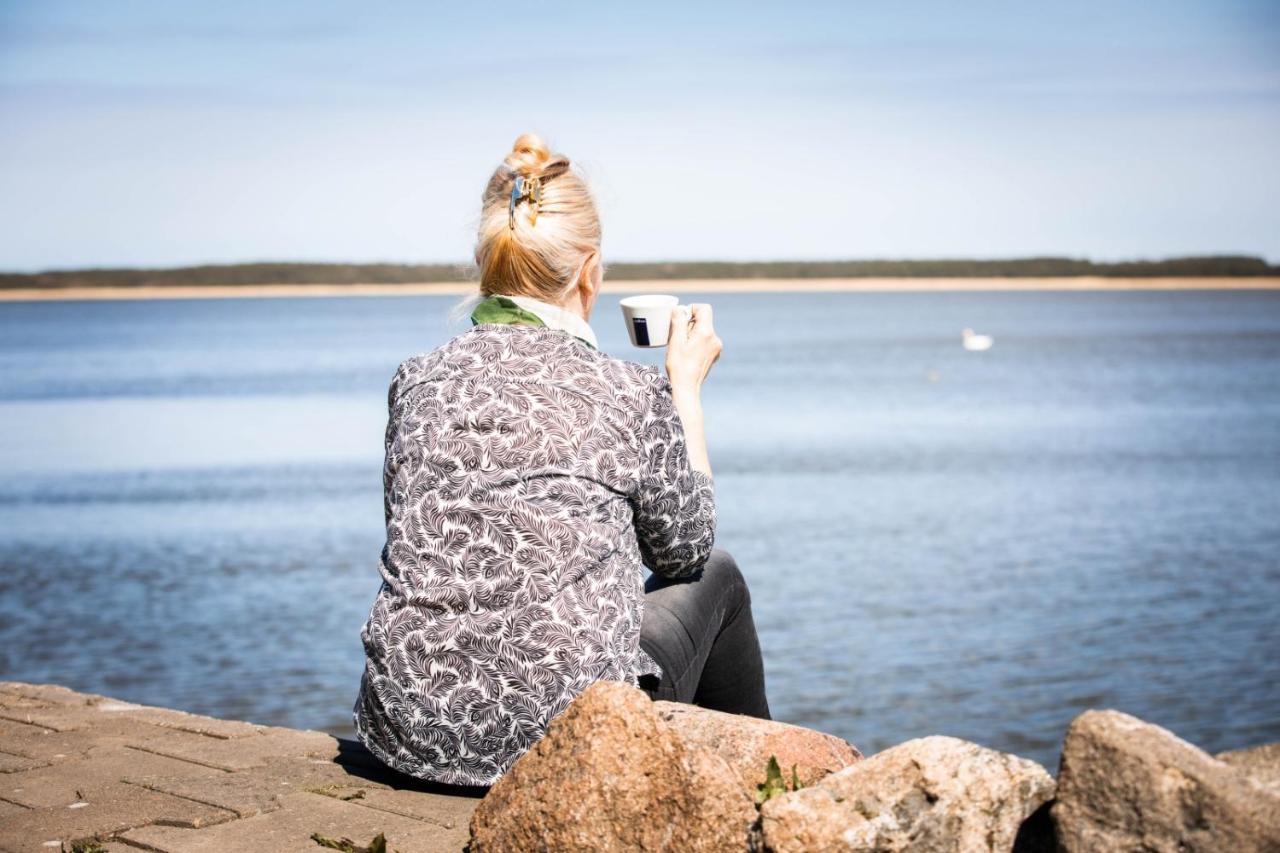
(528, 479)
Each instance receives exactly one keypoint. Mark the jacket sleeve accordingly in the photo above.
(391, 455)
(673, 505)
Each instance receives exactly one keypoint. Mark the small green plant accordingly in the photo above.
(336, 791)
(346, 845)
(774, 783)
(86, 845)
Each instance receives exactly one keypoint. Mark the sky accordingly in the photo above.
(162, 133)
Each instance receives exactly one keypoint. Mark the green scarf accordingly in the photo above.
(500, 309)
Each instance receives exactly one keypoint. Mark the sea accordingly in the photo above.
(937, 541)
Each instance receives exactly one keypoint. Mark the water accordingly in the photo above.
(974, 544)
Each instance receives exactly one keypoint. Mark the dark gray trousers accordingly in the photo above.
(700, 631)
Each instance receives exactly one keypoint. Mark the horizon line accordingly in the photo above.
(809, 261)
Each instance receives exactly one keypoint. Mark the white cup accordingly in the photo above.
(648, 318)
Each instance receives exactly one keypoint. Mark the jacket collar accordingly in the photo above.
(534, 312)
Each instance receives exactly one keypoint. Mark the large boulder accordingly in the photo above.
(1259, 763)
(747, 744)
(1128, 785)
(930, 794)
(619, 771)
(610, 775)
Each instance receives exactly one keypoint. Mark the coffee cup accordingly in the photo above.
(648, 318)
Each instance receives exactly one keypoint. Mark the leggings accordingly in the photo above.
(700, 631)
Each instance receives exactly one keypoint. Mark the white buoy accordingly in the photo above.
(975, 343)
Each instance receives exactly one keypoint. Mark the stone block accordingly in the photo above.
(51, 746)
(7, 808)
(54, 717)
(448, 811)
(257, 790)
(10, 763)
(54, 694)
(18, 702)
(243, 753)
(66, 716)
(183, 721)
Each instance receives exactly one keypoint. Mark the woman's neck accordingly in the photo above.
(573, 304)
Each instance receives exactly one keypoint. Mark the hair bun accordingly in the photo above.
(530, 157)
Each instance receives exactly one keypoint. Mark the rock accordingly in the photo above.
(1128, 785)
(1259, 763)
(930, 794)
(747, 743)
(610, 774)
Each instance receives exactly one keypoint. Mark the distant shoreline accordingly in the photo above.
(718, 285)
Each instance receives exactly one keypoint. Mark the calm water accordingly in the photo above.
(974, 544)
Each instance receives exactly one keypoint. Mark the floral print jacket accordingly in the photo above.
(528, 480)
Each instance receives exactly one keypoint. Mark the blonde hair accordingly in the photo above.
(542, 259)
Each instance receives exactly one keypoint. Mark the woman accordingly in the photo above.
(528, 480)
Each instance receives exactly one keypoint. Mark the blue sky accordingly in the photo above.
(158, 133)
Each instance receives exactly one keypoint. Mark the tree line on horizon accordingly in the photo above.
(330, 273)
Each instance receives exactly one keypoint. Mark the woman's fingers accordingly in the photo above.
(704, 328)
(700, 313)
(700, 318)
(679, 324)
(694, 346)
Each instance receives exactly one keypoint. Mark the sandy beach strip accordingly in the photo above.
(708, 286)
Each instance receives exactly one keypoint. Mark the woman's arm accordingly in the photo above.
(674, 503)
(692, 348)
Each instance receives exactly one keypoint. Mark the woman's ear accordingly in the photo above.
(589, 280)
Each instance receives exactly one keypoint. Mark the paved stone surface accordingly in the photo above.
(10, 763)
(58, 712)
(289, 830)
(443, 810)
(54, 694)
(108, 812)
(246, 793)
(50, 746)
(74, 781)
(76, 766)
(245, 753)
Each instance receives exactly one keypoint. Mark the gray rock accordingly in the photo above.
(930, 794)
(1129, 785)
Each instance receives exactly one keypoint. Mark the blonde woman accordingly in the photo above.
(529, 480)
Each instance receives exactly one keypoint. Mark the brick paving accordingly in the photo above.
(76, 767)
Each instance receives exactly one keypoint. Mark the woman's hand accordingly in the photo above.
(692, 347)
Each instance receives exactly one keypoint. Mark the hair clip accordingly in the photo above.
(523, 189)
